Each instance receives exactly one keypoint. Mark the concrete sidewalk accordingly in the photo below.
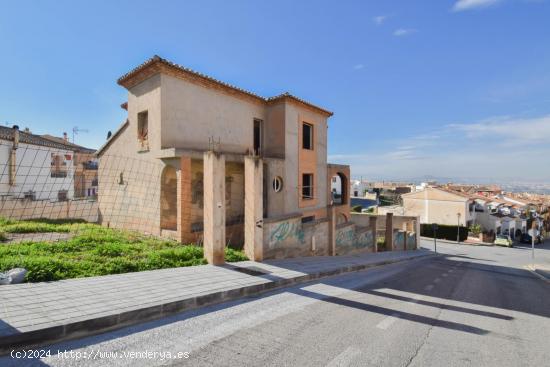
(42, 313)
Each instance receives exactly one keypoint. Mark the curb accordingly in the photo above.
(542, 274)
(487, 244)
(106, 323)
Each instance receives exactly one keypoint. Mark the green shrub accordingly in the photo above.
(381, 243)
(475, 229)
(3, 236)
(444, 232)
(357, 208)
(232, 255)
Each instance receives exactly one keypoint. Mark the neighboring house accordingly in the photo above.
(441, 206)
(85, 165)
(156, 171)
(33, 167)
(361, 189)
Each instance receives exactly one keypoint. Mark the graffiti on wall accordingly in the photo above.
(411, 240)
(399, 240)
(348, 239)
(286, 232)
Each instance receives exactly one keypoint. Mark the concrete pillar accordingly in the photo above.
(184, 199)
(417, 229)
(389, 231)
(332, 230)
(253, 208)
(372, 225)
(214, 208)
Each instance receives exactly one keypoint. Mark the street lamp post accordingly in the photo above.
(458, 228)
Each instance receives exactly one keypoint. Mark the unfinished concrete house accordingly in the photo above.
(202, 161)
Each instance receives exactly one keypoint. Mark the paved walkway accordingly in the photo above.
(36, 313)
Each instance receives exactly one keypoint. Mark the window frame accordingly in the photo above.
(311, 187)
(311, 140)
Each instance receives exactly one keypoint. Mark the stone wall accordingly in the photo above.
(287, 236)
(27, 209)
(352, 239)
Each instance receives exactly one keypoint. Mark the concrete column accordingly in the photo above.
(332, 230)
(372, 225)
(389, 231)
(184, 199)
(253, 208)
(214, 208)
(417, 229)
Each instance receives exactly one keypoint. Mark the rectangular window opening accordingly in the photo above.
(143, 129)
(257, 137)
(307, 186)
(307, 136)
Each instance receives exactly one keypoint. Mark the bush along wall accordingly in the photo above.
(444, 232)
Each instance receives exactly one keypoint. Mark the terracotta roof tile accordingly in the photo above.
(126, 81)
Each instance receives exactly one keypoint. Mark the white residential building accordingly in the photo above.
(33, 167)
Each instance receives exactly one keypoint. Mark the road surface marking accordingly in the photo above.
(437, 280)
(429, 287)
(345, 358)
(444, 275)
(387, 322)
(450, 270)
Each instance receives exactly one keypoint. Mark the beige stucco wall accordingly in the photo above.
(436, 206)
(134, 203)
(192, 113)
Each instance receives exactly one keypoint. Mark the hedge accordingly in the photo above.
(444, 232)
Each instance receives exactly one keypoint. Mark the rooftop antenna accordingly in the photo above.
(77, 130)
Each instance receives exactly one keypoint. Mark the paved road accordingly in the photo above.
(471, 306)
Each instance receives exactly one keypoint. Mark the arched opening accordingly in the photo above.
(339, 187)
(168, 199)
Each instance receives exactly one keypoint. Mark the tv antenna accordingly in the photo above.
(77, 130)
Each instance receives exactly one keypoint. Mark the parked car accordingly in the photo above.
(526, 238)
(503, 240)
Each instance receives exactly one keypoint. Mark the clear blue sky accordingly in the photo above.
(443, 87)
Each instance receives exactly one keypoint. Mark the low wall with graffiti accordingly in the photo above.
(398, 240)
(411, 241)
(287, 236)
(352, 239)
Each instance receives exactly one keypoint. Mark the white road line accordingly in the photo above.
(345, 358)
(444, 275)
(429, 287)
(437, 280)
(387, 322)
(450, 270)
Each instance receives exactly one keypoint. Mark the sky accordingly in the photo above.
(444, 88)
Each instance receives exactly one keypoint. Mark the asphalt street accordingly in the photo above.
(469, 306)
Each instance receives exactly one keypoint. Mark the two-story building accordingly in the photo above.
(201, 160)
(33, 167)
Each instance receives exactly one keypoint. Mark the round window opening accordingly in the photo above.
(277, 184)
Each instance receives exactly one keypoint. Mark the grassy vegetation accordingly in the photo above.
(94, 250)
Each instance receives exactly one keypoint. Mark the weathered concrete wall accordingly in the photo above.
(398, 240)
(192, 113)
(275, 203)
(411, 241)
(70, 209)
(288, 237)
(351, 239)
(129, 177)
